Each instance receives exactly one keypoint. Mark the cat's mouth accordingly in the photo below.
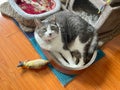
(49, 39)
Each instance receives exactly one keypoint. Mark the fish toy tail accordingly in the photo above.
(21, 64)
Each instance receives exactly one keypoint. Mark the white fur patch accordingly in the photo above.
(77, 45)
(48, 31)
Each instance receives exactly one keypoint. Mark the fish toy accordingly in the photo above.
(33, 64)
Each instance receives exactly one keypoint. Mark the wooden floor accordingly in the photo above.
(103, 75)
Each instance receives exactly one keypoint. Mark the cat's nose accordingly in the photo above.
(50, 34)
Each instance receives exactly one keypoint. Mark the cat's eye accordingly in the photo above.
(53, 27)
(44, 30)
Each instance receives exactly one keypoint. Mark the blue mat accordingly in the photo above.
(63, 78)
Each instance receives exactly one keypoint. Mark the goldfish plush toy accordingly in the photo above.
(33, 64)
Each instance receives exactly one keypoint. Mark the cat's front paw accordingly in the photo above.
(81, 62)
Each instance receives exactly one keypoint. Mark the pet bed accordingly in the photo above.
(54, 7)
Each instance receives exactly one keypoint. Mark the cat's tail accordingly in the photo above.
(92, 47)
(94, 44)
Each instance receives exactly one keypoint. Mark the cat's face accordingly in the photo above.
(47, 30)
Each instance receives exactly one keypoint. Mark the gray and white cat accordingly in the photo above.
(70, 38)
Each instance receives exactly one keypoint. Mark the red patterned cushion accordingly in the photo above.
(33, 9)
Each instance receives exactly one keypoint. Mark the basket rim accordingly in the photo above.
(30, 16)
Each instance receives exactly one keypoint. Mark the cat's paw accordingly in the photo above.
(81, 62)
(76, 60)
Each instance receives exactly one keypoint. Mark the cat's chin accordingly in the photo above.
(49, 39)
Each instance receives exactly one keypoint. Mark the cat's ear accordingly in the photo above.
(38, 22)
(53, 19)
